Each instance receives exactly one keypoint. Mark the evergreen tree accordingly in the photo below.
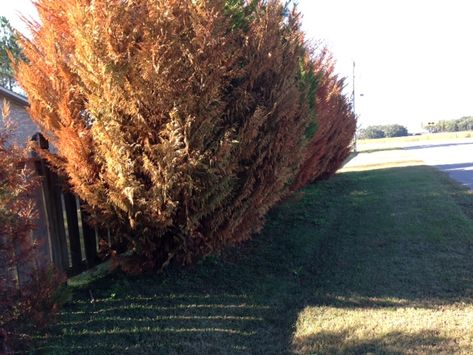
(9, 49)
(180, 123)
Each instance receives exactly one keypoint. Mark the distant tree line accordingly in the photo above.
(461, 124)
(383, 131)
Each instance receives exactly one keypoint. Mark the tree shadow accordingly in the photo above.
(402, 257)
(317, 249)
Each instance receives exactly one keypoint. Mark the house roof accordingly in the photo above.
(13, 96)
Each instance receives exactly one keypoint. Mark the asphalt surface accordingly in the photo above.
(454, 157)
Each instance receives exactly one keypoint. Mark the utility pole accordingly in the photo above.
(353, 92)
(353, 102)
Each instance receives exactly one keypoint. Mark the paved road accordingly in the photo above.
(454, 157)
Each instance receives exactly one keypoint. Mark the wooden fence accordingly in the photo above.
(63, 231)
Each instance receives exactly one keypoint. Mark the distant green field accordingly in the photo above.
(423, 137)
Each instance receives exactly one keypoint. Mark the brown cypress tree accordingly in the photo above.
(180, 123)
(330, 145)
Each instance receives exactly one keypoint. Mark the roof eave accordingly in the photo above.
(13, 96)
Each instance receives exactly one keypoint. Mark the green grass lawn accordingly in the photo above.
(420, 138)
(376, 261)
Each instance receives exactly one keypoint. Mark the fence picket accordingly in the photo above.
(52, 193)
(90, 240)
(73, 231)
(65, 245)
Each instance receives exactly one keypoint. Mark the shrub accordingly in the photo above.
(329, 147)
(9, 50)
(461, 124)
(395, 130)
(26, 293)
(180, 123)
(371, 132)
(386, 131)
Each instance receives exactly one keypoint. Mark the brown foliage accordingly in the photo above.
(179, 122)
(25, 297)
(331, 144)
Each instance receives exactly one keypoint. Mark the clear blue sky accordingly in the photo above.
(414, 58)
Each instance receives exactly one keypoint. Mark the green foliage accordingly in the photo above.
(458, 125)
(240, 13)
(371, 132)
(309, 81)
(386, 131)
(8, 47)
(311, 129)
(395, 130)
(330, 144)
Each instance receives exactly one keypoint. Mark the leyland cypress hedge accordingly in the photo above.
(181, 123)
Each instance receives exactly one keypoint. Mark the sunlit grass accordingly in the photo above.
(392, 164)
(394, 330)
(157, 330)
(162, 318)
(381, 159)
(420, 138)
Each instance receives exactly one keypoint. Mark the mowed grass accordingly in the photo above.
(376, 261)
(442, 136)
(400, 280)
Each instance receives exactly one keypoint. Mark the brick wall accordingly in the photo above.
(25, 126)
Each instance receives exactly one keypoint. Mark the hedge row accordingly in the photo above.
(383, 131)
(336, 125)
(458, 125)
(180, 122)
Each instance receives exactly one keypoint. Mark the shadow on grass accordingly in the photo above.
(384, 238)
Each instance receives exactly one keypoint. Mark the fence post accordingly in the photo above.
(73, 231)
(90, 240)
(52, 196)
